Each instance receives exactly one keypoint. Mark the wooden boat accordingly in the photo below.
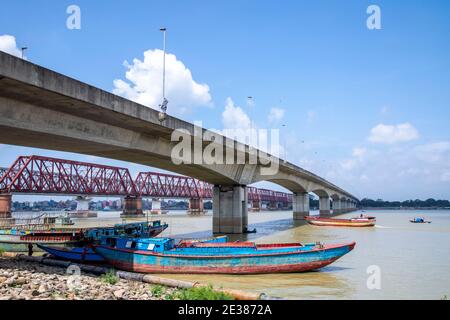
(88, 255)
(353, 222)
(17, 239)
(161, 255)
(419, 220)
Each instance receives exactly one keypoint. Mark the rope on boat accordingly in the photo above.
(237, 294)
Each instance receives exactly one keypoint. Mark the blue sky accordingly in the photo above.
(366, 109)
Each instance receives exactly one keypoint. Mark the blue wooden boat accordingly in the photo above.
(88, 255)
(161, 255)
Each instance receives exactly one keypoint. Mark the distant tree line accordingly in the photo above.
(429, 203)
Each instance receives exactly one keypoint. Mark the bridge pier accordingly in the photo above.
(300, 205)
(132, 206)
(230, 211)
(343, 206)
(196, 206)
(5, 205)
(337, 204)
(255, 206)
(324, 205)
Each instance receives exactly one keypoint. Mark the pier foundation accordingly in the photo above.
(300, 205)
(230, 212)
(132, 206)
(255, 206)
(5, 205)
(196, 206)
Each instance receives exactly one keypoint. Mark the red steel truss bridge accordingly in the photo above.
(44, 175)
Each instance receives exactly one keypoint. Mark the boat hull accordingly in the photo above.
(73, 254)
(341, 222)
(275, 262)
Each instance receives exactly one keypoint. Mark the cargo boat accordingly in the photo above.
(161, 255)
(88, 255)
(353, 222)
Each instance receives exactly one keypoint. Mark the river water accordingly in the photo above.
(413, 260)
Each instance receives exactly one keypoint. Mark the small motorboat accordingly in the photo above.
(419, 220)
(361, 221)
(162, 255)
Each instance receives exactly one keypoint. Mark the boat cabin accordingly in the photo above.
(145, 244)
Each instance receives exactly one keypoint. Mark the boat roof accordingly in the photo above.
(149, 240)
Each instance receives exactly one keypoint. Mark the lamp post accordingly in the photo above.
(285, 149)
(250, 103)
(23, 50)
(162, 115)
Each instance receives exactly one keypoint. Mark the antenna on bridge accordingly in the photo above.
(162, 115)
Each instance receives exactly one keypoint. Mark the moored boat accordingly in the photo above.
(161, 255)
(88, 255)
(353, 222)
(17, 239)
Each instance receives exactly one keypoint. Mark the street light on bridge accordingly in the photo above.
(23, 50)
(163, 105)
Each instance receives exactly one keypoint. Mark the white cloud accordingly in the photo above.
(348, 164)
(434, 152)
(144, 84)
(390, 134)
(275, 114)
(234, 117)
(8, 45)
(398, 172)
(359, 152)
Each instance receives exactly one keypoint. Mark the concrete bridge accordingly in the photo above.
(44, 109)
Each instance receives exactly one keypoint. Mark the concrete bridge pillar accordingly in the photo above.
(336, 206)
(132, 206)
(324, 205)
(156, 206)
(5, 205)
(343, 206)
(196, 206)
(82, 203)
(230, 212)
(300, 205)
(255, 206)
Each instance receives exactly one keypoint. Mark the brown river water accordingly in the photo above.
(413, 260)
